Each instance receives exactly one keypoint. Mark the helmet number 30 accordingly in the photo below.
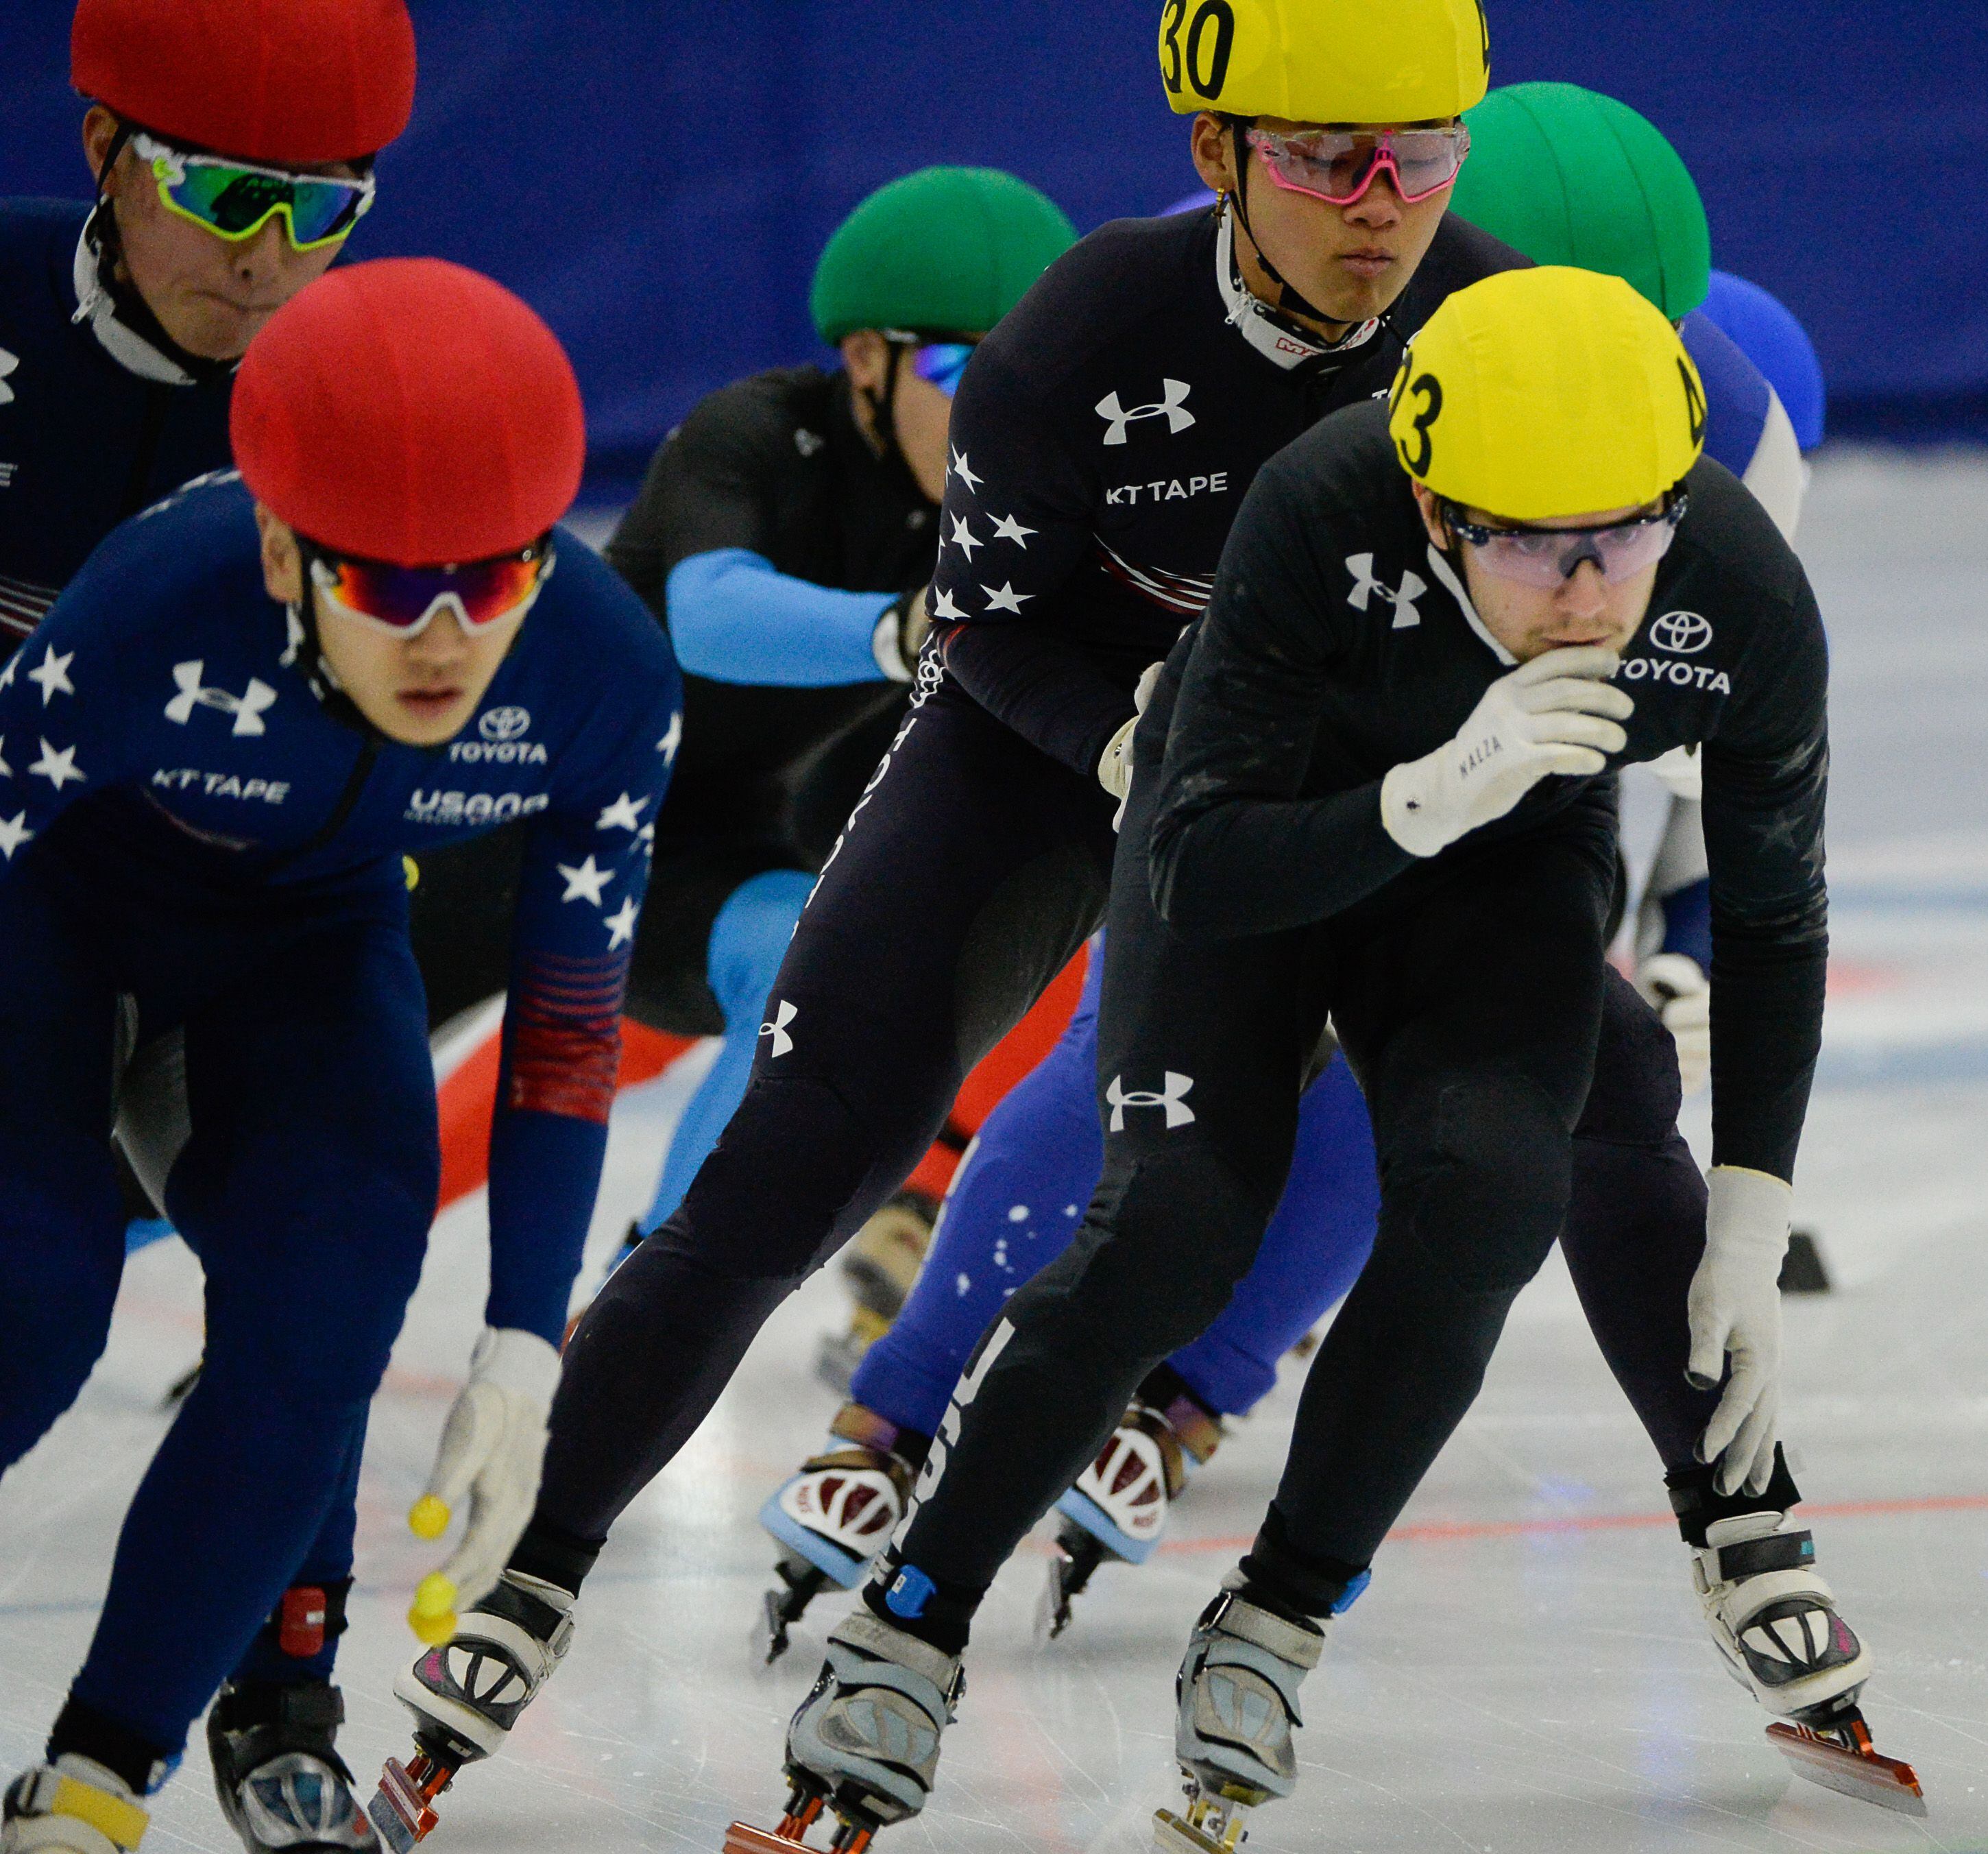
(1428, 390)
(1201, 58)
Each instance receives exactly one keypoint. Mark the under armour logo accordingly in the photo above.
(247, 709)
(1365, 585)
(784, 1013)
(7, 364)
(1170, 406)
(1172, 1098)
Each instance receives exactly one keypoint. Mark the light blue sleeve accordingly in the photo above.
(734, 619)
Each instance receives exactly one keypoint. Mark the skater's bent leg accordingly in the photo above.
(1312, 1254)
(310, 1187)
(1014, 1205)
(749, 940)
(963, 883)
(1476, 1088)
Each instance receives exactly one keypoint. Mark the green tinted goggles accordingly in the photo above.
(235, 200)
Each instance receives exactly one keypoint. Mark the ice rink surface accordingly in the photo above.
(1528, 1675)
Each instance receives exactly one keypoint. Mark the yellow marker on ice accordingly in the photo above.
(429, 1518)
(433, 1616)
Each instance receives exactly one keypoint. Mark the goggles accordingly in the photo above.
(235, 200)
(404, 600)
(1545, 558)
(942, 363)
(1339, 165)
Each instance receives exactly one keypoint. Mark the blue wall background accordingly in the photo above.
(657, 178)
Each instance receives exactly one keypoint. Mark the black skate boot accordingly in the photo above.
(467, 1694)
(282, 1785)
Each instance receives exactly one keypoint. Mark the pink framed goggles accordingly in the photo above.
(1339, 165)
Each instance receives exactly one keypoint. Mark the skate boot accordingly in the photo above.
(73, 1806)
(835, 1515)
(1774, 1622)
(282, 1785)
(467, 1694)
(880, 1266)
(1237, 1691)
(1118, 1507)
(864, 1743)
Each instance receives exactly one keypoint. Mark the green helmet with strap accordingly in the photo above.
(1570, 177)
(945, 251)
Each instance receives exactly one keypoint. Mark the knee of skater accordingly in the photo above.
(768, 1202)
(1494, 1182)
(748, 940)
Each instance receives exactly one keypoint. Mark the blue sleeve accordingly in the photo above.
(587, 868)
(1735, 393)
(734, 619)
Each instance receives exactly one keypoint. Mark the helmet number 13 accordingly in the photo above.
(1202, 60)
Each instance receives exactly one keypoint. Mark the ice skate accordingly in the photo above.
(864, 1745)
(1774, 1622)
(282, 1785)
(1237, 1691)
(73, 1806)
(466, 1695)
(1117, 1509)
(880, 1266)
(833, 1517)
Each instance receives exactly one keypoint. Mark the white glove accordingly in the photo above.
(1114, 768)
(493, 1448)
(1735, 1308)
(1678, 987)
(1558, 713)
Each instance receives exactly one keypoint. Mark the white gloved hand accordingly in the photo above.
(1558, 713)
(1681, 993)
(493, 1448)
(1114, 767)
(1735, 1309)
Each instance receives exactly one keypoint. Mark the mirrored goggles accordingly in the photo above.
(1338, 166)
(404, 600)
(942, 363)
(1545, 558)
(234, 201)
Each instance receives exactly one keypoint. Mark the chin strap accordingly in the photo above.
(883, 406)
(304, 651)
(1290, 300)
(118, 315)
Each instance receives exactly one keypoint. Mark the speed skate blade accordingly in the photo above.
(1175, 1835)
(398, 1809)
(1868, 1775)
(742, 1838)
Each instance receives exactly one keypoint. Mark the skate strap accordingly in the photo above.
(872, 1635)
(512, 1601)
(1200, 1434)
(56, 1793)
(309, 1617)
(1233, 1615)
(1778, 1551)
(868, 1430)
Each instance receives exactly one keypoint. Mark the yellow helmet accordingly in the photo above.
(1320, 61)
(1540, 394)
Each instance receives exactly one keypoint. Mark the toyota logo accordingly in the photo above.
(508, 723)
(1684, 632)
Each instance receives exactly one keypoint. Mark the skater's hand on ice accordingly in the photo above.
(1678, 987)
(492, 1447)
(1557, 714)
(1735, 1310)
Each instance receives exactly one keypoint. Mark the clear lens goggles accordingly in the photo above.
(1338, 166)
(1545, 558)
(234, 201)
(404, 600)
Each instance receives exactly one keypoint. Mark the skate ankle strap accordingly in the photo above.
(868, 1430)
(1200, 1434)
(548, 1624)
(49, 1791)
(1751, 1557)
(862, 1629)
(1234, 1615)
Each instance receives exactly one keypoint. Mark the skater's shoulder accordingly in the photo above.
(186, 566)
(1728, 543)
(763, 413)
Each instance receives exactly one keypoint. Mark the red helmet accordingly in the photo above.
(411, 410)
(289, 81)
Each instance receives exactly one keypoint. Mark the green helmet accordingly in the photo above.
(1570, 177)
(943, 250)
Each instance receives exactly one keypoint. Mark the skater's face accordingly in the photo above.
(211, 295)
(1351, 260)
(419, 690)
(1529, 620)
(919, 410)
